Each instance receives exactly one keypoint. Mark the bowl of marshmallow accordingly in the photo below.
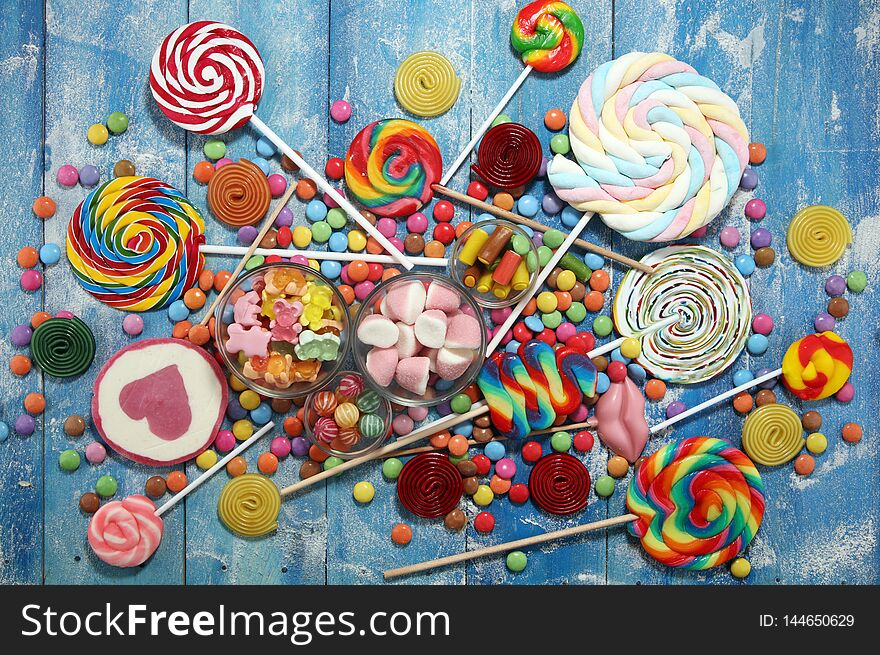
(419, 339)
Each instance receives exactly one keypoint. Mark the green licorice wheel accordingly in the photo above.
(63, 347)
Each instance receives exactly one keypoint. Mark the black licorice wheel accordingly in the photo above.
(560, 484)
(429, 485)
(63, 347)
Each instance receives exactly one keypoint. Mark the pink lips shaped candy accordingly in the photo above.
(620, 413)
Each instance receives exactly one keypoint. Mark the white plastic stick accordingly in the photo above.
(340, 200)
(199, 481)
(213, 249)
(543, 275)
(451, 170)
(715, 400)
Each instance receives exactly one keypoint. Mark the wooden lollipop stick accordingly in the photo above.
(213, 249)
(421, 433)
(199, 481)
(510, 545)
(338, 198)
(264, 230)
(535, 225)
(465, 153)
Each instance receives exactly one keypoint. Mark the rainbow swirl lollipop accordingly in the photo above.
(548, 35)
(817, 366)
(660, 149)
(709, 294)
(391, 165)
(207, 77)
(133, 243)
(700, 502)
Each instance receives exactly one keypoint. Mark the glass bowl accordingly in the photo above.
(454, 358)
(290, 366)
(346, 429)
(476, 277)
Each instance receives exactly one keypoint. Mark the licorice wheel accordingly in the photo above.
(509, 156)
(560, 484)
(429, 486)
(63, 347)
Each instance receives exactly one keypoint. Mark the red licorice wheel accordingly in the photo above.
(430, 486)
(560, 484)
(509, 156)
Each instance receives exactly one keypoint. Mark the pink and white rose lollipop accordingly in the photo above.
(125, 532)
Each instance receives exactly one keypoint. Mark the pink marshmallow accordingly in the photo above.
(406, 302)
(430, 328)
(442, 298)
(382, 308)
(452, 363)
(407, 346)
(376, 330)
(412, 374)
(431, 354)
(463, 331)
(381, 365)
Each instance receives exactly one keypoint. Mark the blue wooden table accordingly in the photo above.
(805, 77)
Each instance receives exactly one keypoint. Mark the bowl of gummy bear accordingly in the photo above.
(283, 329)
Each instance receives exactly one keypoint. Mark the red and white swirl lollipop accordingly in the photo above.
(207, 77)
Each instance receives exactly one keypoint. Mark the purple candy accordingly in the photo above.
(749, 179)
(21, 335)
(25, 425)
(444, 409)
(247, 234)
(729, 237)
(769, 384)
(761, 238)
(835, 285)
(824, 322)
(675, 408)
(538, 238)
(89, 176)
(234, 410)
(756, 209)
(284, 218)
(542, 171)
(552, 204)
(299, 446)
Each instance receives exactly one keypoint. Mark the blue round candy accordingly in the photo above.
(262, 414)
(4, 431)
(534, 323)
(494, 450)
(570, 216)
(485, 216)
(636, 372)
(331, 269)
(465, 429)
(444, 385)
(602, 382)
(593, 261)
(177, 311)
(527, 205)
(265, 148)
(744, 264)
(338, 242)
(757, 344)
(262, 164)
(512, 346)
(234, 410)
(228, 314)
(742, 377)
(316, 211)
(616, 356)
(50, 254)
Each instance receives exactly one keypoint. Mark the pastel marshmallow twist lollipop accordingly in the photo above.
(712, 299)
(548, 35)
(817, 366)
(391, 165)
(125, 533)
(133, 243)
(207, 77)
(700, 502)
(660, 149)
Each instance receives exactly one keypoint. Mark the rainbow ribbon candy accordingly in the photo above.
(516, 393)
(500, 404)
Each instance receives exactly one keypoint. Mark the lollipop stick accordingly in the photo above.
(543, 275)
(451, 170)
(340, 200)
(535, 225)
(715, 400)
(199, 481)
(422, 432)
(510, 545)
(212, 249)
(269, 222)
